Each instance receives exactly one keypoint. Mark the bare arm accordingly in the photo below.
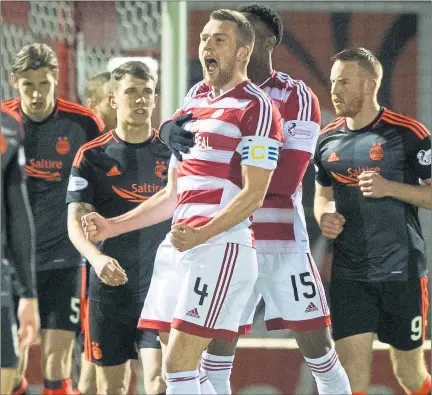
(331, 222)
(107, 268)
(323, 201)
(76, 234)
(418, 195)
(156, 209)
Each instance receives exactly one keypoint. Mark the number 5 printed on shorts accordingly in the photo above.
(75, 308)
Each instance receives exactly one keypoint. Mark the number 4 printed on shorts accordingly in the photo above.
(202, 292)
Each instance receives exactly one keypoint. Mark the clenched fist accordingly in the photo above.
(331, 225)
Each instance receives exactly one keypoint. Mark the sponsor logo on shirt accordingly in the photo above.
(376, 152)
(136, 193)
(202, 142)
(424, 157)
(160, 166)
(350, 179)
(46, 169)
(295, 131)
(63, 146)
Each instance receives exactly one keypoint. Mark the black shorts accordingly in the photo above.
(112, 336)
(59, 293)
(9, 334)
(396, 311)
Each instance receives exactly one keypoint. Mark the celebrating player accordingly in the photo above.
(206, 267)
(53, 131)
(288, 279)
(112, 175)
(369, 162)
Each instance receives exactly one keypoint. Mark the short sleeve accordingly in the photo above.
(80, 189)
(422, 158)
(321, 175)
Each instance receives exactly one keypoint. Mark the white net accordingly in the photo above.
(53, 19)
(13, 38)
(139, 24)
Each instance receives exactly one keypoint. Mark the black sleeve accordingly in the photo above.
(420, 156)
(81, 189)
(321, 175)
(21, 233)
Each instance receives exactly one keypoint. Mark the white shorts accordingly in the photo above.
(293, 293)
(203, 291)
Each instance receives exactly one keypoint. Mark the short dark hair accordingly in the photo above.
(266, 15)
(246, 35)
(134, 68)
(365, 58)
(34, 56)
(95, 84)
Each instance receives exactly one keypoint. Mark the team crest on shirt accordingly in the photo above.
(217, 113)
(376, 152)
(62, 146)
(160, 166)
(424, 157)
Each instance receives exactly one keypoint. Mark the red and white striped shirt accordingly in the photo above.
(240, 127)
(280, 225)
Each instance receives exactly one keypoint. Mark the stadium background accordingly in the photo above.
(88, 34)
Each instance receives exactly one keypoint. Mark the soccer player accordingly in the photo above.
(206, 268)
(288, 279)
(17, 249)
(53, 130)
(373, 171)
(96, 98)
(112, 175)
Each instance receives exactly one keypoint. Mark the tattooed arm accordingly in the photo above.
(107, 268)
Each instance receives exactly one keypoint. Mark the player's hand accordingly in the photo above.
(175, 137)
(373, 184)
(96, 227)
(331, 225)
(109, 270)
(183, 237)
(29, 321)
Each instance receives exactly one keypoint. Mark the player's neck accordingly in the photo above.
(259, 72)
(134, 134)
(237, 79)
(367, 114)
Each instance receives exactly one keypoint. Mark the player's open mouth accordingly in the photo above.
(140, 111)
(211, 64)
(37, 105)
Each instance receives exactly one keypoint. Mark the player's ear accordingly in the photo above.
(55, 74)
(370, 86)
(243, 53)
(112, 102)
(156, 97)
(14, 80)
(270, 43)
